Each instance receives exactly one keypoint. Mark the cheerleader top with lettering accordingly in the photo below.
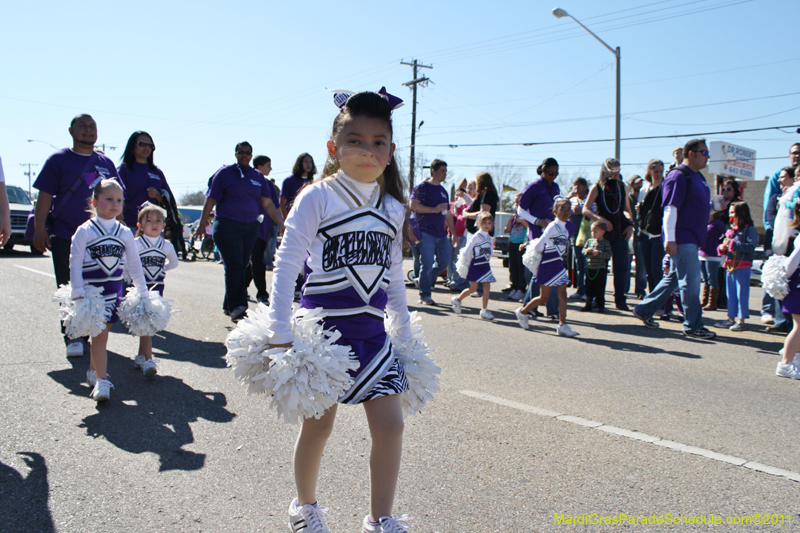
(96, 253)
(554, 241)
(156, 257)
(349, 235)
(479, 249)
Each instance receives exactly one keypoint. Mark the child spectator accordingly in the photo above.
(710, 261)
(739, 248)
(597, 251)
(517, 229)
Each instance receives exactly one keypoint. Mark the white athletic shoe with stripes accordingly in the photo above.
(307, 518)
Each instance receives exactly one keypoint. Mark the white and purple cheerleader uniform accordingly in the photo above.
(348, 237)
(156, 256)
(479, 251)
(554, 244)
(96, 258)
(791, 304)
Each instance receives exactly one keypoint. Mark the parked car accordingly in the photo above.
(189, 216)
(500, 236)
(20, 205)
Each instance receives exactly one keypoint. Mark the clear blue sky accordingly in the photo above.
(201, 76)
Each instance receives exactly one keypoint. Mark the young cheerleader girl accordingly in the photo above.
(739, 249)
(348, 228)
(95, 258)
(789, 365)
(473, 264)
(156, 256)
(553, 244)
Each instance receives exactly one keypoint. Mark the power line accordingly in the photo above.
(611, 140)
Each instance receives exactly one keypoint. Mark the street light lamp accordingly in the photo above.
(48, 144)
(560, 13)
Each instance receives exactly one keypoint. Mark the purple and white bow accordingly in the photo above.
(340, 98)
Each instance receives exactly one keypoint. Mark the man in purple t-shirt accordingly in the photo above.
(686, 200)
(431, 208)
(65, 184)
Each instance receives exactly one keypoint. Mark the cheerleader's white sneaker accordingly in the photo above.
(91, 377)
(789, 370)
(102, 390)
(523, 318)
(307, 518)
(565, 331)
(75, 349)
(486, 314)
(387, 524)
(456, 303)
(148, 366)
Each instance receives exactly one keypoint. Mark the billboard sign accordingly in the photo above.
(731, 160)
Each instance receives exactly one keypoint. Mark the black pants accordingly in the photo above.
(59, 249)
(257, 270)
(235, 241)
(516, 270)
(595, 285)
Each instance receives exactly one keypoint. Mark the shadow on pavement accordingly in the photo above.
(24, 501)
(178, 348)
(148, 415)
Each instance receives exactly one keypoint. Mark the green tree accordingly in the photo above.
(193, 198)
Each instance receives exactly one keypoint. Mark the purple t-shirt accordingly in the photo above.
(714, 232)
(265, 230)
(431, 195)
(238, 191)
(693, 205)
(136, 182)
(292, 186)
(58, 174)
(537, 199)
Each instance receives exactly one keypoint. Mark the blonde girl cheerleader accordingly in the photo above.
(346, 231)
(473, 265)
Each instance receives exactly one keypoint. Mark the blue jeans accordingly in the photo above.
(431, 248)
(621, 267)
(653, 254)
(452, 274)
(684, 274)
(738, 285)
(708, 273)
(235, 241)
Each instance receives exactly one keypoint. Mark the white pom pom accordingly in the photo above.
(773, 276)
(462, 265)
(144, 314)
(532, 258)
(85, 317)
(304, 380)
(421, 371)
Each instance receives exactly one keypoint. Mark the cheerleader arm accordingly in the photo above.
(76, 252)
(547, 236)
(301, 229)
(133, 262)
(794, 262)
(396, 304)
(172, 256)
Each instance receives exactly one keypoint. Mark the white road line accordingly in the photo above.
(36, 271)
(636, 435)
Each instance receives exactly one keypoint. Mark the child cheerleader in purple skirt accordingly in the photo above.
(473, 264)
(789, 365)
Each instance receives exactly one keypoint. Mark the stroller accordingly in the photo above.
(206, 248)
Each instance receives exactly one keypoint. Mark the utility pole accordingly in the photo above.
(102, 147)
(413, 85)
(30, 174)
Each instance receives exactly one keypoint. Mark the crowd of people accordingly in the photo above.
(343, 254)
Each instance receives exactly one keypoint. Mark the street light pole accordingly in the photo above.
(560, 13)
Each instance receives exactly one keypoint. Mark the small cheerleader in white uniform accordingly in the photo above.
(473, 265)
(346, 232)
(156, 256)
(95, 258)
(552, 245)
(789, 365)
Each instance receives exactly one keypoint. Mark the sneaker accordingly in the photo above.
(796, 360)
(75, 349)
(148, 366)
(585, 308)
(789, 370)
(238, 313)
(486, 314)
(264, 299)
(575, 296)
(665, 316)
(507, 289)
(622, 306)
(426, 300)
(512, 295)
(387, 524)
(700, 333)
(725, 323)
(767, 319)
(565, 331)
(91, 377)
(739, 326)
(647, 321)
(476, 295)
(307, 518)
(522, 318)
(102, 390)
(456, 303)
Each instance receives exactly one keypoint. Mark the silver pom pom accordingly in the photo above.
(144, 315)
(532, 258)
(462, 265)
(304, 380)
(773, 277)
(421, 371)
(85, 317)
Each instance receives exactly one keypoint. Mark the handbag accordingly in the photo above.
(30, 224)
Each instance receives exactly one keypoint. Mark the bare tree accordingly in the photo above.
(193, 198)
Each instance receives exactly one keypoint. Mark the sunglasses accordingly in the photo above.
(242, 152)
(701, 152)
(552, 174)
(727, 189)
(146, 144)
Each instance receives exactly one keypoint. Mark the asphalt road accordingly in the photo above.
(618, 422)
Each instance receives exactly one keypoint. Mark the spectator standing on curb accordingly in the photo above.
(686, 202)
(257, 269)
(463, 200)
(635, 183)
(650, 217)
(302, 174)
(577, 198)
(65, 184)
(430, 202)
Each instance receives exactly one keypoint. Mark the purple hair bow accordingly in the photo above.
(340, 98)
